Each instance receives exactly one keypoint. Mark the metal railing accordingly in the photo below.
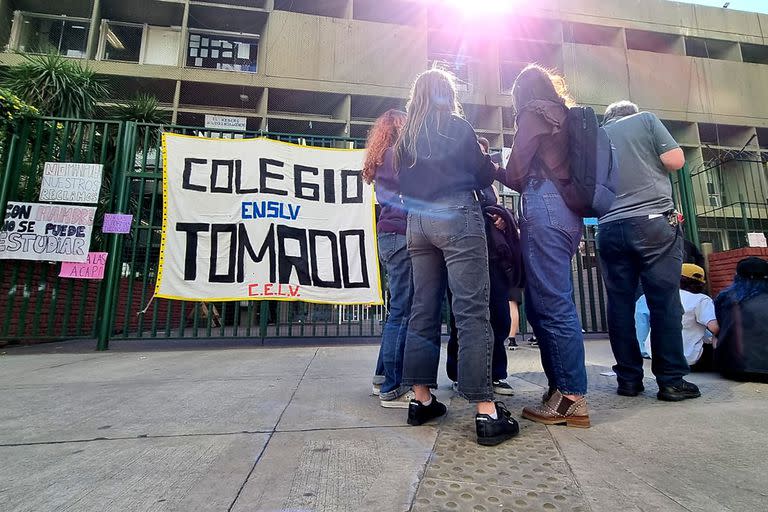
(36, 304)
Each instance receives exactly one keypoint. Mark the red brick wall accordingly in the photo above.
(722, 266)
(36, 307)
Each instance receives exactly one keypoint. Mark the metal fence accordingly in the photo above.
(730, 198)
(35, 304)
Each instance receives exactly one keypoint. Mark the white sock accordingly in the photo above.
(495, 415)
(428, 402)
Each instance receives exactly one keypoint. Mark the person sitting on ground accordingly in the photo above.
(741, 352)
(699, 322)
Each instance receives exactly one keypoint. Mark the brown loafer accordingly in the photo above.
(559, 410)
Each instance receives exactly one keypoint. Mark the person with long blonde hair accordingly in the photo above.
(441, 168)
(549, 235)
(393, 253)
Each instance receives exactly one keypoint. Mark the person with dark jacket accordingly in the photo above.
(441, 168)
(549, 234)
(393, 253)
(741, 352)
(505, 274)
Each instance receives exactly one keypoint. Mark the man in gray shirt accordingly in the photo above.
(640, 241)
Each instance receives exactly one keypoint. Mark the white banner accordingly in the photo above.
(257, 219)
(43, 232)
(66, 182)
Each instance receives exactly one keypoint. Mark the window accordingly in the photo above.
(459, 67)
(755, 53)
(43, 34)
(122, 41)
(712, 49)
(656, 42)
(225, 52)
(595, 35)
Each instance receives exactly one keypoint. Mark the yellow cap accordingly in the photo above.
(694, 272)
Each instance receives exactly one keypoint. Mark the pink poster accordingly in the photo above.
(93, 268)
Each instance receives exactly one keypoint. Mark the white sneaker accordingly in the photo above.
(376, 391)
(501, 387)
(401, 402)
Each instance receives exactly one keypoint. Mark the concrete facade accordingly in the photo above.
(329, 68)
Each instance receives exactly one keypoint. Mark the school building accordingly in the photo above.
(328, 68)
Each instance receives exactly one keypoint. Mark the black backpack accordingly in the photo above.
(593, 163)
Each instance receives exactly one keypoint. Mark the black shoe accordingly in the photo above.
(501, 387)
(630, 388)
(533, 342)
(512, 343)
(418, 413)
(683, 390)
(491, 432)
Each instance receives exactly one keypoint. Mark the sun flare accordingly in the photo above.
(482, 7)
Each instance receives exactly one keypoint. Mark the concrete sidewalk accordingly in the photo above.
(294, 428)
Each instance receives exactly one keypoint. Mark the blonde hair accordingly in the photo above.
(433, 94)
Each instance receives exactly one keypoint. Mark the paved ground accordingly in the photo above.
(273, 429)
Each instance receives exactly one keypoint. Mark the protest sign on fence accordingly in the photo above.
(42, 232)
(92, 268)
(117, 223)
(263, 220)
(67, 182)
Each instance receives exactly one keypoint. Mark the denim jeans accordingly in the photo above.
(394, 256)
(649, 251)
(501, 321)
(549, 235)
(378, 375)
(446, 240)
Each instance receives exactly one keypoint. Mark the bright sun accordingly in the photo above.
(482, 6)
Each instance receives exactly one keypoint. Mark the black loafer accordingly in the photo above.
(630, 388)
(683, 390)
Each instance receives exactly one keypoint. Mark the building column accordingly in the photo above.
(6, 14)
(94, 32)
(176, 101)
(182, 58)
(13, 42)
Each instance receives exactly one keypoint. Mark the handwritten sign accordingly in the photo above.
(92, 268)
(42, 232)
(67, 182)
(264, 220)
(756, 240)
(117, 223)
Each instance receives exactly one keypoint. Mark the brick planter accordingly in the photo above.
(35, 289)
(722, 266)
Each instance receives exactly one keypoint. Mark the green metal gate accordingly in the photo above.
(134, 273)
(35, 304)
